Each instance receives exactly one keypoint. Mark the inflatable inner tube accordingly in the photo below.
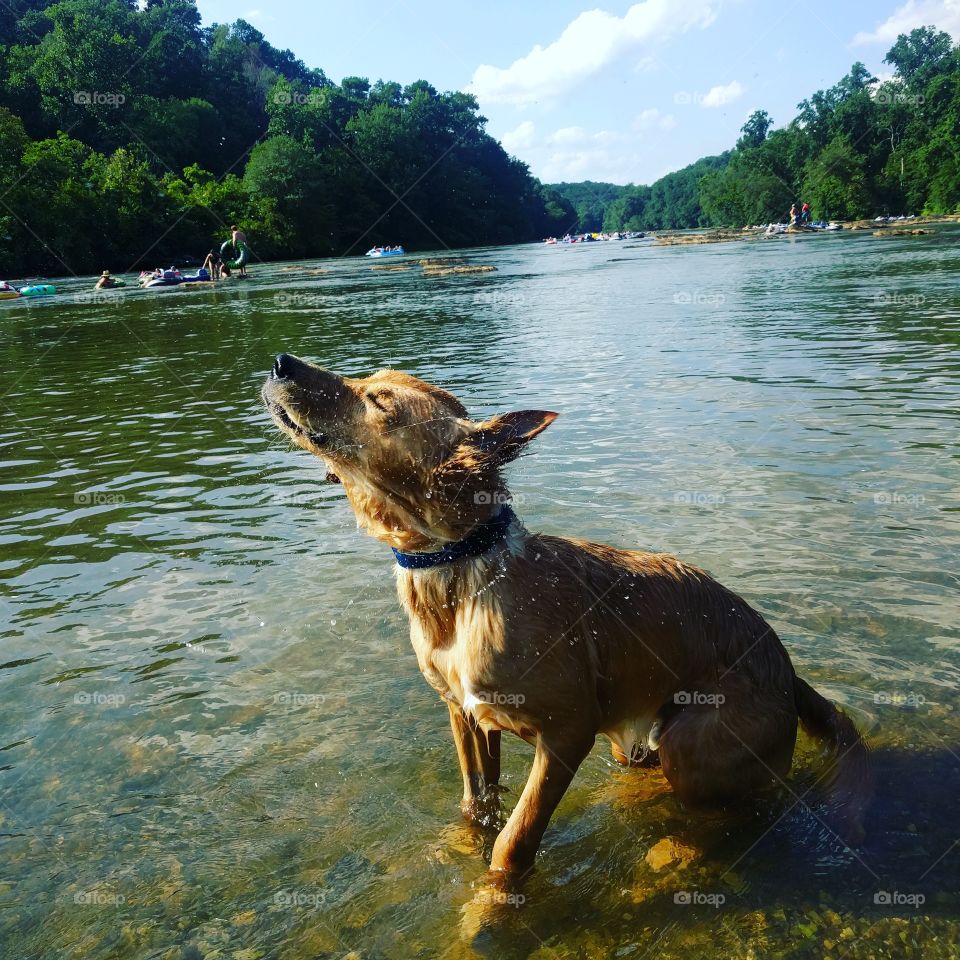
(38, 290)
(234, 257)
(201, 276)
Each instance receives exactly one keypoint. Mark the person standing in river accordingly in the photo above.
(237, 236)
(213, 264)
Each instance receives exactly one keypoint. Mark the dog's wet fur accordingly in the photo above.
(552, 638)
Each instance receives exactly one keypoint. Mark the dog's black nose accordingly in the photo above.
(283, 366)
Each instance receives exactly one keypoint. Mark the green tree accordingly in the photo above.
(835, 184)
(755, 130)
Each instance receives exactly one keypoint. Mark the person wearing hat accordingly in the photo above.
(106, 282)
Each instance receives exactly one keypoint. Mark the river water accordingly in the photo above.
(214, 740)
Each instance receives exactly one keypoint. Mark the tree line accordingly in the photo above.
(858, 149)
(131, 135)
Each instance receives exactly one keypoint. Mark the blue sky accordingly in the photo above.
(602, 90)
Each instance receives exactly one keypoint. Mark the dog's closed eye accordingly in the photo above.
(381, 399)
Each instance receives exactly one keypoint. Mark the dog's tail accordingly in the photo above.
(848, 777)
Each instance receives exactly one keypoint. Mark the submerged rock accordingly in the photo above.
(432, 271)
(670, 852)
(717, 236)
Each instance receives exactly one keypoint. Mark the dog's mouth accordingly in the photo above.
(279, 413)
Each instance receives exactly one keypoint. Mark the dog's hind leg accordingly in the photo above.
(479, 755)
(714, 754)
(554, 765)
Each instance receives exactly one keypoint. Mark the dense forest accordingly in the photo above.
(859, 149)
(129, 135)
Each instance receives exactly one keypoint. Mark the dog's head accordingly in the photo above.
(417, 471)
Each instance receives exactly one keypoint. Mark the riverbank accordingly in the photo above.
(878, 227)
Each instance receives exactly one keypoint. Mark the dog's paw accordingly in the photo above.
(497, 898)
(484, 810)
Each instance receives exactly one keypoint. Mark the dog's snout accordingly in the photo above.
(283, 366)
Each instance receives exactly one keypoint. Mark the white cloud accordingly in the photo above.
(520, 138)
(608, 136)
(567, 135)
(720, 96)
(654, 118)
(646, 65)
(596, 164)
(943, 14)
(588, 44)
(572, 153)
(625, 165)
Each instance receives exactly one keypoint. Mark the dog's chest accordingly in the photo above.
(457, 648)
(451, 662)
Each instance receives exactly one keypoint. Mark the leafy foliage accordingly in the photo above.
(130, 135)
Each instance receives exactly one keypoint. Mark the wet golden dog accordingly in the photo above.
(550, 638)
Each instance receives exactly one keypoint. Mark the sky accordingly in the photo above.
(600, 89)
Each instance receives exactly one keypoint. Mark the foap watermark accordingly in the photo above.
(286, 98)
(881, 299)
(96, 298)
(494, 698)
(698, 698)
(297, 299)
(98, 498)
(97, 699)
(886, 95)
(98, 898)
(699, 498)
(95, 98)
(499, 298)
(896, 498)
(294, 698)
(898, 699)
(699, 298)
(896, 898)
(282, 499)
(689, 98)
(299, 899)
(697, 898)
(497, 498)
(501, 898)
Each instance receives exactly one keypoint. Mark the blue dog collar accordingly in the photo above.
(480, 541)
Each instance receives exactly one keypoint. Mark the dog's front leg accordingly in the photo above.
(554, 765)
(479, 755)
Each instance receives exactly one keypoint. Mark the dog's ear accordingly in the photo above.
(502, 438)
(499, 440)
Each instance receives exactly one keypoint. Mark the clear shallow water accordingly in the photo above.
(215, 739)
